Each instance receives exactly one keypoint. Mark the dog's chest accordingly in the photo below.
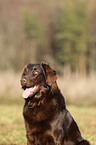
(40, 111)
(50, 132)
(46, 121)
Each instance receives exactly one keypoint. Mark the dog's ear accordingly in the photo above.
(50, 73)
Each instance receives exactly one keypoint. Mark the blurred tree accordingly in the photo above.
(33, 34)
(91, 53)
(71, 36)
(80, 31)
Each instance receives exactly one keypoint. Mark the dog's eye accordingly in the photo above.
(35, 73)
(25, 71)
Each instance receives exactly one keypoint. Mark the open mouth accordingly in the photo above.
(29, 92)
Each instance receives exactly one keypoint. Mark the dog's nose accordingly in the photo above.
(23, 81)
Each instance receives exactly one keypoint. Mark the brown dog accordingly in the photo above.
(47, 121)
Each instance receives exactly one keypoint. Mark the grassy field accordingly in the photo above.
(12, 131)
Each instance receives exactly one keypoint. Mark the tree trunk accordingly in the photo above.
(82, 65)
(67, 70)
(33, 52)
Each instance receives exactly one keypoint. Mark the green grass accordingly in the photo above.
(86, 120)
(12, 131)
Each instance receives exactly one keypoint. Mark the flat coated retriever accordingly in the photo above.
(47, 121)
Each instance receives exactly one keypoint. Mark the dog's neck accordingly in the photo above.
(54, 87)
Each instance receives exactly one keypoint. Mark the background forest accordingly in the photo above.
(60, 32)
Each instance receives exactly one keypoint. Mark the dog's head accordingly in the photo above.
(36, 75)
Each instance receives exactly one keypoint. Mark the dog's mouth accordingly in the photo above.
(29, 92)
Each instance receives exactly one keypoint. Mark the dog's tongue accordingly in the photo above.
(29, 92)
